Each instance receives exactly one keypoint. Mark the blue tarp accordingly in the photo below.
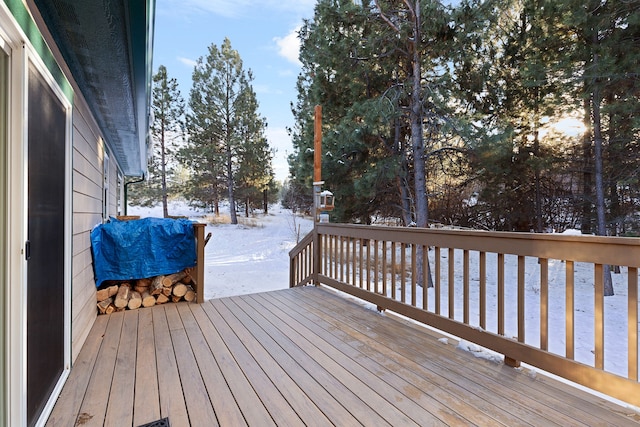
(127, 250)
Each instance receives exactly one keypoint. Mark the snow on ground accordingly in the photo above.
(250, 257)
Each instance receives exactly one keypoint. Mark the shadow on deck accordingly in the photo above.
(301, 356)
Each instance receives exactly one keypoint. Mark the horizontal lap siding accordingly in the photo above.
(87, 212)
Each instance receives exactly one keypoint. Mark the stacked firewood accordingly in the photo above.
(146, 292)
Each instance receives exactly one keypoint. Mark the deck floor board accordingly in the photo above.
(523, 391)
(147, 393)
(442, 398)
(443, 370)
(303, 356)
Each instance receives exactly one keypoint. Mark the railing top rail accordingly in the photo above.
(582, 248)
(306, 241)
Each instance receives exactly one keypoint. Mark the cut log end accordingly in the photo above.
(123, 295)
(146, 292)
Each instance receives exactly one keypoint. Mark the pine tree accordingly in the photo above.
(509, 69)
(255, 174)
(167, 136)
(608, 34)
(360, 70)
(227, 149)
(341, 73)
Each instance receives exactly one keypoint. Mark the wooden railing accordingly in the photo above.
(301, 265)
(533, 298)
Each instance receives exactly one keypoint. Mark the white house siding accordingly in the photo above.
(113, 188)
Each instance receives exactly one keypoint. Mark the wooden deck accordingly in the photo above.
(301, 356)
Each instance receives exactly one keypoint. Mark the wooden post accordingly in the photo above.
(200, 241)
(317, 145)
(317, 162)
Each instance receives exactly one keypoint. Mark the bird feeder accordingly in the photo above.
(326, 201)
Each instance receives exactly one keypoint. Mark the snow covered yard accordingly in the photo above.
(250, 257)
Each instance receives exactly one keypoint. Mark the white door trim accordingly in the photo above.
(23, 53)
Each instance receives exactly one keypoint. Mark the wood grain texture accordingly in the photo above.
(302, 356)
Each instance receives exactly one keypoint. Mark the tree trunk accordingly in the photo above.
(163, 163)
(417, 143)
(587, 178)
(403, 182)
(232, 200)
(537, 178)
(265, 201)
(405, 200)
(598, 155)
(417, 138)
(165, 204)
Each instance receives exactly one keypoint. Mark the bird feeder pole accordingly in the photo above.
(317, 161)
(322, 200)
(317, 146)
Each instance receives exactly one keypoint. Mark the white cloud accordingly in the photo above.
(289, 46)
(187, 61)
(266, 89)
(238, 8)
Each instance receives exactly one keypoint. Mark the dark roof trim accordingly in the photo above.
(25, 21)
(107, 46)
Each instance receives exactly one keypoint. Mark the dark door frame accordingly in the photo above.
(48, 325)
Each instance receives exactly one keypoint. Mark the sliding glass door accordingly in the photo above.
(45, 247)
(4, 82)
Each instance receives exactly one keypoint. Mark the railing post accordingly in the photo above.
(292, 271)
(199, 231)
(317, 256)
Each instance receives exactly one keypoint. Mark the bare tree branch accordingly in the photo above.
(411, 9)
(387, 20)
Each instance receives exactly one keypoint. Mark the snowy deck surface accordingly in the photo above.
(302, 356)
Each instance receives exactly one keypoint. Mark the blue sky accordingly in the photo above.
(264, 34)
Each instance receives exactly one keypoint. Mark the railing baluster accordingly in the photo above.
(437, 284)
(544, 303)
(414, 273)
(482, 259)
(465, 286)
(393, 270)
(521, 296)
(325, 248)
(426, 273)
(451, 283)
(341, 258)
(384, 267)
(305, 263)
(368, 265)
(570, 310)
(336, 256)
(315, 248)
(296, 271)
(375, 266)
(360, 264)
(347, 261)
(598, 316)
(632, 295)
(500, 294)
(355, 261)
(403, 266)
